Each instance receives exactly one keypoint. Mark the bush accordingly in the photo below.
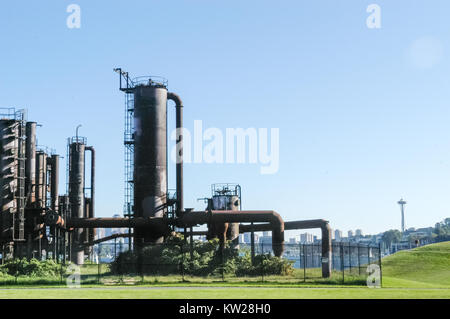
(31, 268)
(173, 257)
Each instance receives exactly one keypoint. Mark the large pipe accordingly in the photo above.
(193, 218)
(304, 224)
(30, 165)
(54, 182)
(103, 239)
(158, 225)
(41, 181)
(92, 202)
(179, 149)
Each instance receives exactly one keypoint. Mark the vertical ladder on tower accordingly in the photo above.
(20, 193)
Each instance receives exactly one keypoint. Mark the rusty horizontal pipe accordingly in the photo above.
(105, 222)
(192, 218)
(100, 240)
(298, 224)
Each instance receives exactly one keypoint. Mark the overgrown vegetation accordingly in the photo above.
(31, 268)
(174, 257)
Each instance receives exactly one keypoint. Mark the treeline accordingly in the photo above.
(440, 232)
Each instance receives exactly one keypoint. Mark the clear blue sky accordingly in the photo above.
(363, 113)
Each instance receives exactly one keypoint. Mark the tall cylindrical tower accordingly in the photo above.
(9, 150)
(150, 155)
(76, 194)
(402, 204)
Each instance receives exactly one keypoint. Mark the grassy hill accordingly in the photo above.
(423, 267)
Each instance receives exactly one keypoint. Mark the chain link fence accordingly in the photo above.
(202, 262)
(186, 263)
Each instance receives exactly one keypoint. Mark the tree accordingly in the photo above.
(391, 236)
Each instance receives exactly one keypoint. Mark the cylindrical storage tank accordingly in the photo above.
(76, 196)
(150, 156)
(9, 150)
(228, 202)
(30, 164)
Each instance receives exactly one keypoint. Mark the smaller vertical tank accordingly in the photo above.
(228, 197)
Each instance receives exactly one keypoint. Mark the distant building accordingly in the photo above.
(338, 235)
(265, 244)
(248, 238)
(265, 240)
(306, 238)
(359, 233)
(350, 233)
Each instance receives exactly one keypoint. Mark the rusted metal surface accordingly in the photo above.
(101, 240)
(76, 195)
(91, 211)
(193, 218)
(179, 150)
(158, 225)
(54, 182)
(150, 156)
(30, 164)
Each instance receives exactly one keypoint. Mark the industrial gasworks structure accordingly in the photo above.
(36, 221)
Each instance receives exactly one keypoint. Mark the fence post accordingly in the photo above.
(262, 261)
(304, 263)
(115, 248)
(342, 262)
(379, 262)
(252, 246)
(99, 272)
(299, 255)
(223, 265)
(350, 256)
(182, 262)
(359, 262)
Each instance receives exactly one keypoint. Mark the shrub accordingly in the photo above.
(174, 254)
(31, 268)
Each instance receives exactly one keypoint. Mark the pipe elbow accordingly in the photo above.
(176, 98)
(277, 219)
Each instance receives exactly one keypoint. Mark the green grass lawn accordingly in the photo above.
(224, 293)
(423, 267)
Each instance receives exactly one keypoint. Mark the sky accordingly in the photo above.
(362, 112)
